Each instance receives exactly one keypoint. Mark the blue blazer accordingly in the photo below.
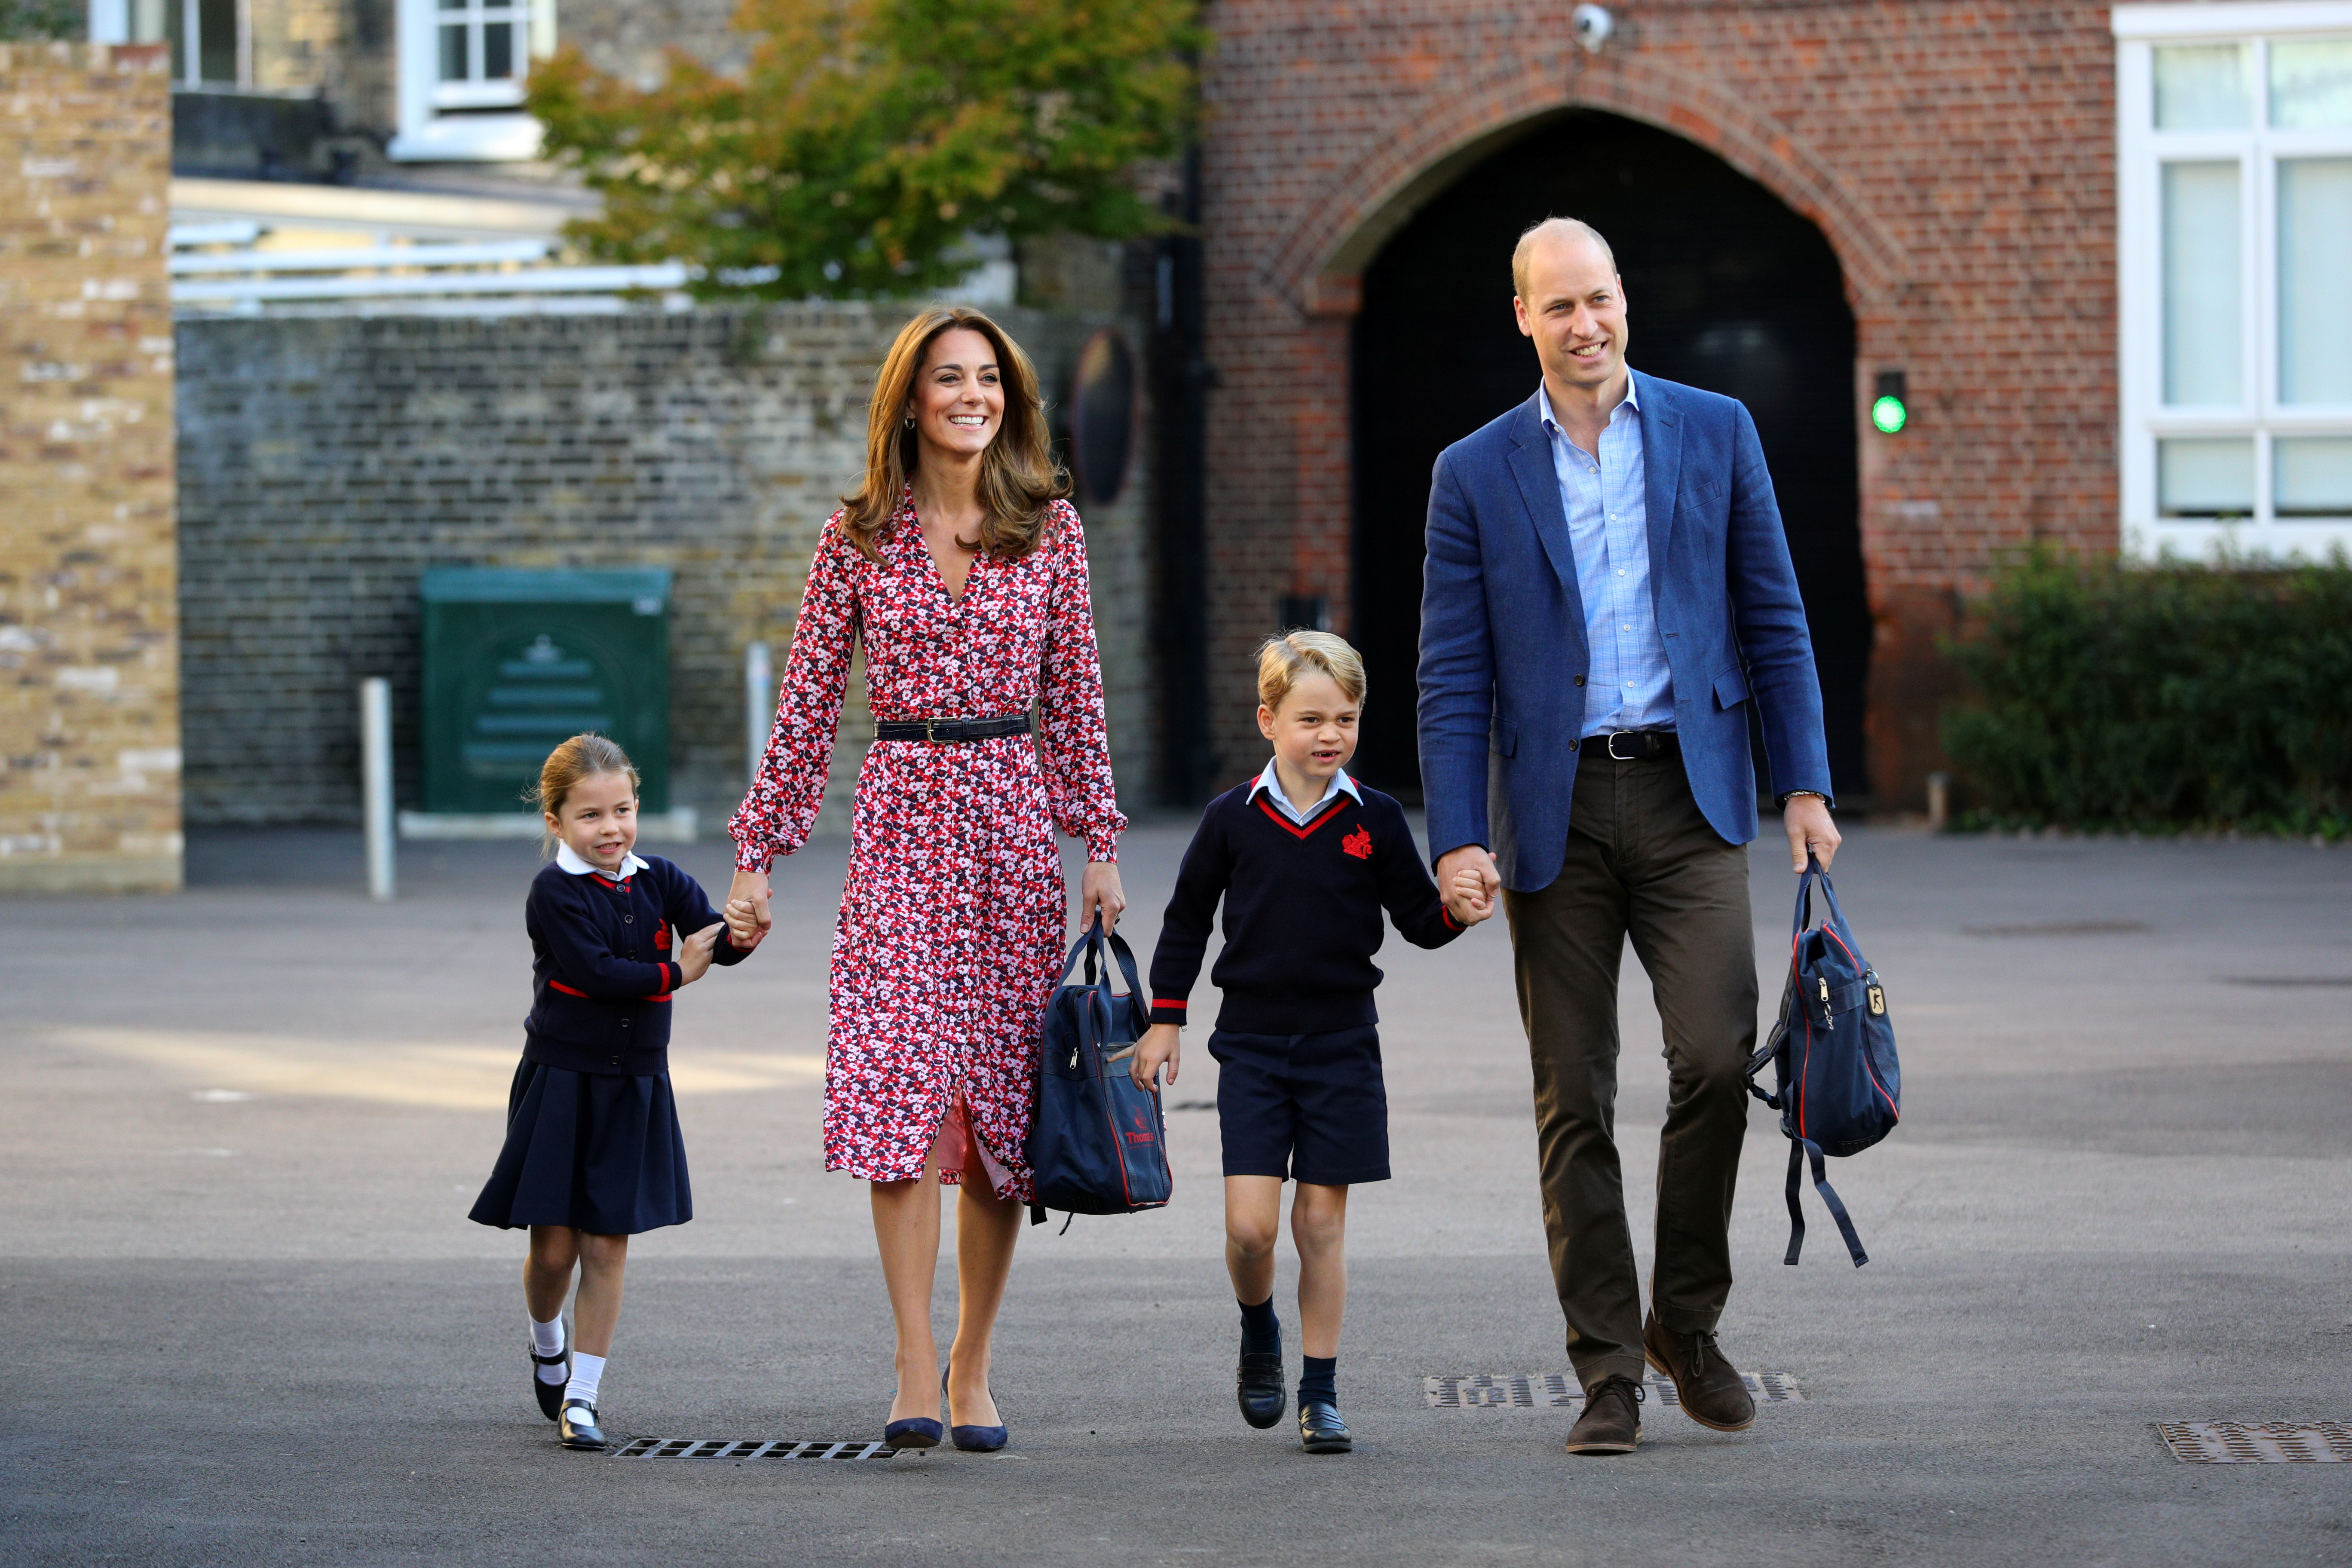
(1502, 655)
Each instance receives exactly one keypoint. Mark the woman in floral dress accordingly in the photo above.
(962, 573)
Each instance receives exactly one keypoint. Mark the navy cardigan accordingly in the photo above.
(601, 973)
(1302, 913)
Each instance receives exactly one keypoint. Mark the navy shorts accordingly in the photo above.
(1310, 1108)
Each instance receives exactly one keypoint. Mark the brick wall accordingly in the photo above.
(1959, 158)
(89, 787)
(326, 462)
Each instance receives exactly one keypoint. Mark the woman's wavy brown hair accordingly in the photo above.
(1018, 475)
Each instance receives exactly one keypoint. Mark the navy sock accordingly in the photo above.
(1261, 1329)
(1319, 1378)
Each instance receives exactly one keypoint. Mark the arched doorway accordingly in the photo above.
(1726, 287)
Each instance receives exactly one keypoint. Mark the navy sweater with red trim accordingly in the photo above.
(601, 968)
(1302, 913)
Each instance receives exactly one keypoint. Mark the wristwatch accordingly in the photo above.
(1817, 794)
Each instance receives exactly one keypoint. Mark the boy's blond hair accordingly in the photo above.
(1282, 660)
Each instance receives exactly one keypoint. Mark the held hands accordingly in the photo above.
(694, 953)
(1466, 897)
(1807, 818)
(1160, 1043)
(746, 910)
(1468, 881)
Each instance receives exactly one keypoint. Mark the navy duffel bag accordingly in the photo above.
(1098, 1143)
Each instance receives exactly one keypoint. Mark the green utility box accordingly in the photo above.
(516, 661)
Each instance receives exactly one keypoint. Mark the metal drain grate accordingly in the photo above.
(2270, 1443)
(1557, 1389)
(746, 1448)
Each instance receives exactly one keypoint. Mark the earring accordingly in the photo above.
(910, 422)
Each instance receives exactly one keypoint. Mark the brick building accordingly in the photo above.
(1804, 194)
(90, 723)
(2097, 248)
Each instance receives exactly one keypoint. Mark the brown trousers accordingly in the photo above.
(1640, 862)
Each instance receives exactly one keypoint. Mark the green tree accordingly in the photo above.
(30, 19)
(867, 138)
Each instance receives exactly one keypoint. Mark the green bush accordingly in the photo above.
(2164, 698)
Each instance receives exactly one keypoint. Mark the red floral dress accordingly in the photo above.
(954, 916)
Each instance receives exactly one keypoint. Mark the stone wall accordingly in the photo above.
(326, 462)
(90, 758)
(1958, 158)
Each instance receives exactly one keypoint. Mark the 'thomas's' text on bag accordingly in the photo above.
(1097, 1144)
(1838, 1087)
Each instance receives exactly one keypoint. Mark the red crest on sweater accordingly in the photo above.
(1359, 843)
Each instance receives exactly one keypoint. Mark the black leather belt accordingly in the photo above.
(945, 730)
(1631, 745)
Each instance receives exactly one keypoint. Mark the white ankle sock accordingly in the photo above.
(587, 1372)
(546, 1339)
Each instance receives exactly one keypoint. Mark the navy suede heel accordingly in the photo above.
(972, 1439)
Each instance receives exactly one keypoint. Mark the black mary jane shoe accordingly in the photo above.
(1320, 1430)
(551, 1394)
(971, 1439)
(1258, 1385)
(575, 1426)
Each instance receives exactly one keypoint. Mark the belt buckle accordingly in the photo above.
(1610, 745)
(928, 735)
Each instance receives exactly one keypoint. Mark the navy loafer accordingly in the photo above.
(1258, 1385)
(1320, 1430)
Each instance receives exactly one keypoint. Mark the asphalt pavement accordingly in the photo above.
(248, 1322)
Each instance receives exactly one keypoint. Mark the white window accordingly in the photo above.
(211, 45)
(2234, 226)
(462, 65)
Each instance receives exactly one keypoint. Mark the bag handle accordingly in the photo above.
(1813, 868)
(1090, 943)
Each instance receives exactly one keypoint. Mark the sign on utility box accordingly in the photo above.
(517, 660)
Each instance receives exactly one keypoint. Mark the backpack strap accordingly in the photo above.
(1798, 1149)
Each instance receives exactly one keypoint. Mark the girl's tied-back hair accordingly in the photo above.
(581, 758)
(1283, 660)
(1018, 476)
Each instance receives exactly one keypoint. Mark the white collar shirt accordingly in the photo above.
(568, 859)
(1269, 782)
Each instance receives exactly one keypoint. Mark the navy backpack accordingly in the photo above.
(1839, 1088)
(1097, 1144)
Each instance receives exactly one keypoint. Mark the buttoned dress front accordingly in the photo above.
(953, 913)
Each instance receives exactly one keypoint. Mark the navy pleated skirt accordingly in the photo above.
(599, 1151)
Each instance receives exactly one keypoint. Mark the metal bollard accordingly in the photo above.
(375, 783)
(1939, 802)
(758, 706)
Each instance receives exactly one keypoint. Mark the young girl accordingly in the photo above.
(594, 1153)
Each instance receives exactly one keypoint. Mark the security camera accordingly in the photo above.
(1593, 24)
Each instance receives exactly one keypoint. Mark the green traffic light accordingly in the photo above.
(1889, 414)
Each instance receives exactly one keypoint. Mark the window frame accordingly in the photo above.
(2141, 153)
(470, 123)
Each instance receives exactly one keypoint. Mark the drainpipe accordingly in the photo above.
(1182, 378)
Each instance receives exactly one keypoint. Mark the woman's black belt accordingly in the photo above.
(942, 729)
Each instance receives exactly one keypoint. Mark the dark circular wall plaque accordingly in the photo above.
(1102, 415)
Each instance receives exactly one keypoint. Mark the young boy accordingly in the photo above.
(1304, 858)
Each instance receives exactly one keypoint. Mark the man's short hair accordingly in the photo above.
(1546, 229)
(1282, 660)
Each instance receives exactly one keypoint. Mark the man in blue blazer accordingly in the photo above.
(1608, 591)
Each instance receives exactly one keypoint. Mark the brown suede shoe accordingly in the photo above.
(1611, 1422)
(1708, 1385)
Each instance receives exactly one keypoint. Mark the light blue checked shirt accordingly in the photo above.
(1628, 686)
